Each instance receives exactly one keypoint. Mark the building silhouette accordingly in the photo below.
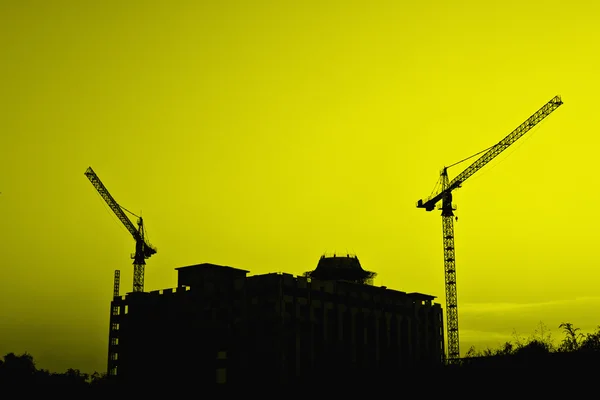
(222, 326)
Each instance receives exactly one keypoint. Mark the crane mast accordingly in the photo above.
(143, 249)
(117, 283)
(445, 196)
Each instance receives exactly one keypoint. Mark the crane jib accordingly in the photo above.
(526, 126)
(118, 210)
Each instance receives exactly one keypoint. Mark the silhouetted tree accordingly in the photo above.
(573, 337)
(17, 368)
(21, 370)
(591, 342)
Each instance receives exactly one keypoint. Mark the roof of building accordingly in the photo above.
(422, 296)
(210, 266)
(341, 268)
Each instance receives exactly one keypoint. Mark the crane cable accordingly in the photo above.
(512, 149)
(438, 183)
(124, 209)
(465, 159)
(116, 219)
(535, 128)
(477, 176)
(146, 236)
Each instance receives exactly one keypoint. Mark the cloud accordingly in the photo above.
(492, 324)
(474, 308)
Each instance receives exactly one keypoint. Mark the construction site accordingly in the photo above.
(219, 325)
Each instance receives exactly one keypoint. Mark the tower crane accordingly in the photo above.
(445, 196)
(143, 249)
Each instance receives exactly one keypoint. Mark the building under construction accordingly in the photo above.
(221, 326)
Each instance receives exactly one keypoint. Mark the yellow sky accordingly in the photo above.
(261, 134)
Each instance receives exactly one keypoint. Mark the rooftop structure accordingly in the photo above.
(346, 268)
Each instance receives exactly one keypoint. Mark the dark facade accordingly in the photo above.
(221, 326)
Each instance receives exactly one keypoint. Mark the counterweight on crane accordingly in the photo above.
(445, 195)
(143, 249)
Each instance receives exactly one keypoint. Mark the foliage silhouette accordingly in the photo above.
(21, 370)
(539, 351)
